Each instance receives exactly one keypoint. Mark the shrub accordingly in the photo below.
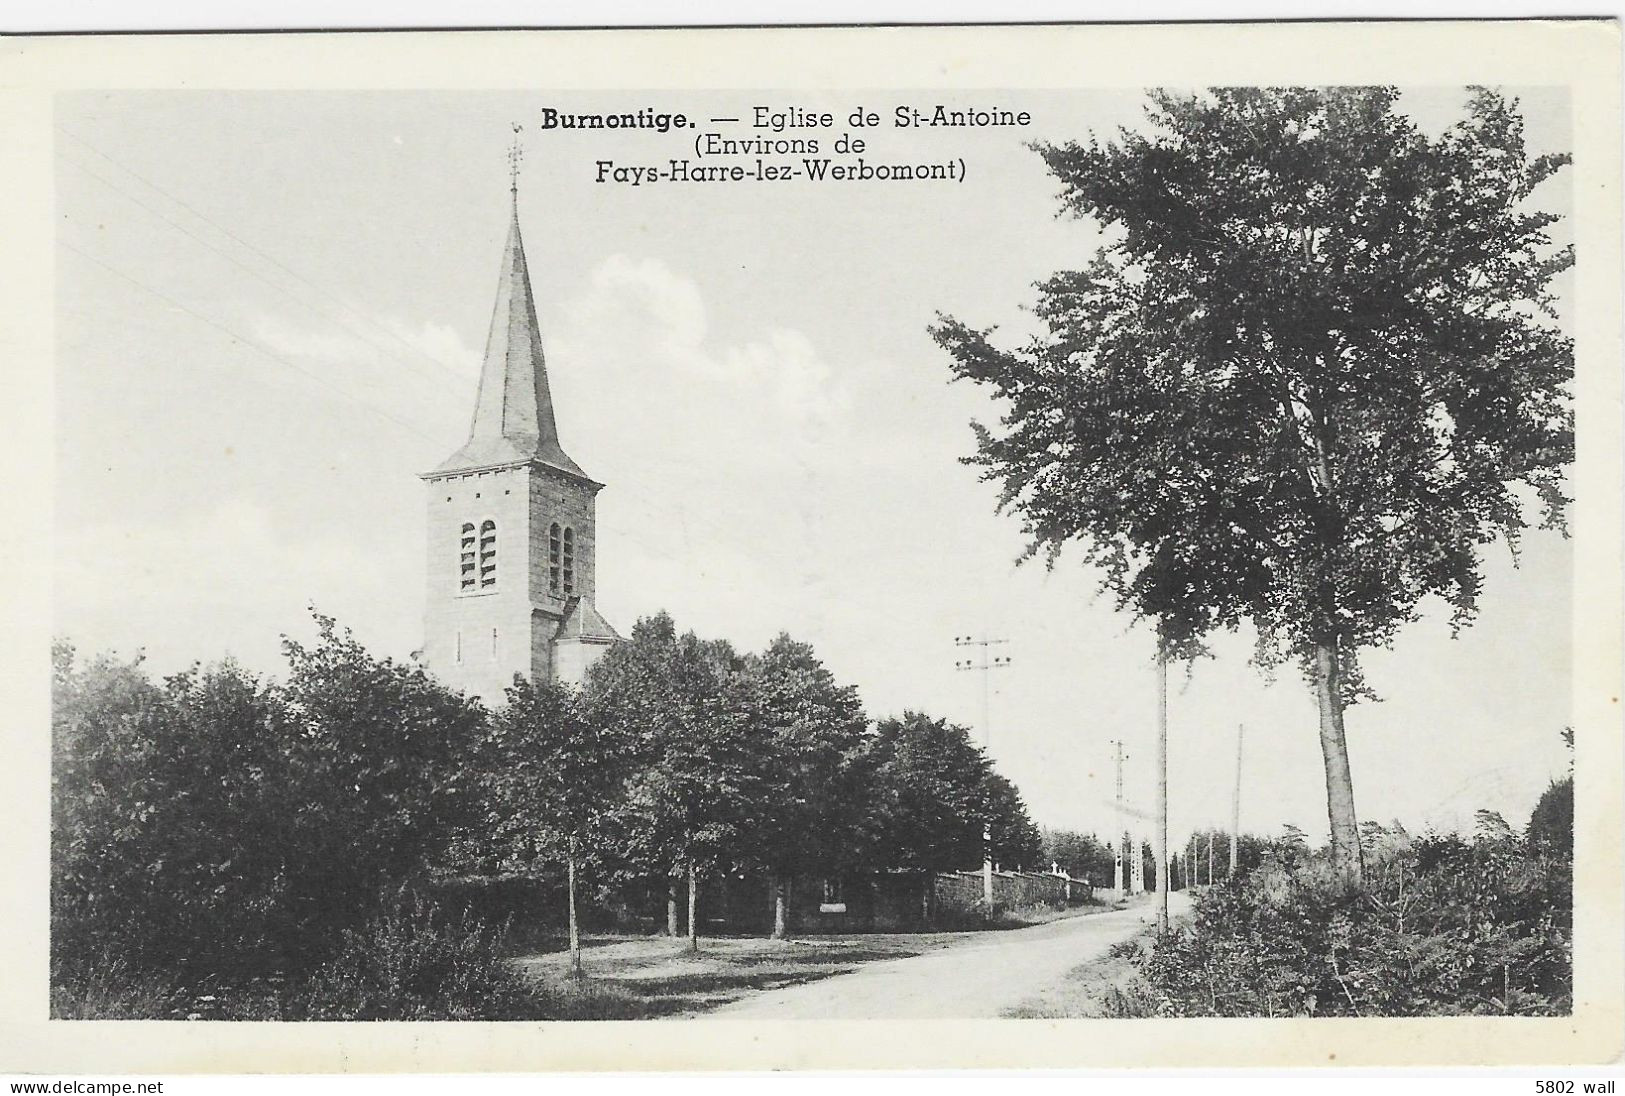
(413, 963)
(1440, 927)
(1133, 1001)
(220, 825)
(418, 962)
(1551, 826)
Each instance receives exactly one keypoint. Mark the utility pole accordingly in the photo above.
(1119, 880)
(1235, 803)
(986, 662)
(1210, 857)
(1162, 786)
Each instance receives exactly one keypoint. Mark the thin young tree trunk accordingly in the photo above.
(575, 934)
(1345, 830)
(671, 906)
(781, 912)
(1164, 880)
(693, 902)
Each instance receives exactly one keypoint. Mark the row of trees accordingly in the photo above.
(219, 821)
(684, 758)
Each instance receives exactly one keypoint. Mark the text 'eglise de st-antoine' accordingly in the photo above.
(787, 144)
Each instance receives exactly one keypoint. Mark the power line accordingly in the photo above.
(245, 340)
(449, 370)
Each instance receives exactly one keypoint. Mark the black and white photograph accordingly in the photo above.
(1088, 556)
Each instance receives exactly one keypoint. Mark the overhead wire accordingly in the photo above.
(244, 339)
(451, 370)
(647, 498)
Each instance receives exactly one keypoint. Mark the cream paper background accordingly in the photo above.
(1581, 56)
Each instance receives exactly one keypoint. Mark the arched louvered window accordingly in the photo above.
(488, 554)
(468, 566)
(569, 561)
(555, 555)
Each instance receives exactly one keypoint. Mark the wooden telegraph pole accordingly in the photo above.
(1120, 882)
(1235, 803)
(987, 663)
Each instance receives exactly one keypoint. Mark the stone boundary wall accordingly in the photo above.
(1011, 889)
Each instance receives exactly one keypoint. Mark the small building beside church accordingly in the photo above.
(512, 522)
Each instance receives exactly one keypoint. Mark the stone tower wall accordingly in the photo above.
(458, 626)
(570, 503)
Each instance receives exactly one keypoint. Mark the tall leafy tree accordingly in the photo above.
(1301, 380)
(681, 702)
(930, 780)
(1551, 824)
(555, 774)
(379, 755)
(934, 791)
(1012, 834)
(813, 818)
(171, 823)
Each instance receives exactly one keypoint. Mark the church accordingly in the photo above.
(512, 521)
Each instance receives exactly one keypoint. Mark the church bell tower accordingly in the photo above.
(512, 526)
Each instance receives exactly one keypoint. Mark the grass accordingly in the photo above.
(627, 977)
(650, 977)
(111, 992)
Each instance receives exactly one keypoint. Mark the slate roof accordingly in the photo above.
(581, 621)
(513, 413)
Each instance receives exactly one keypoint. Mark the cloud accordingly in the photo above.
(369, 342)
(667, 304)
(638, 338)
(403, 369)
(719, 453)
(221, 574)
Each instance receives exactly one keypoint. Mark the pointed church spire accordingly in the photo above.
(513, 412)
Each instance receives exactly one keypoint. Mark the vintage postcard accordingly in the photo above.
(1045, 546)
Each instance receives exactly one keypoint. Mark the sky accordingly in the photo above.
(271, 312)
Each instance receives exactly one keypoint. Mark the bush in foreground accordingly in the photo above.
(1442, 926)
(220, 825)
(412, 963)
(418, 963)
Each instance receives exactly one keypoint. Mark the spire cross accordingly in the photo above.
(516, 156)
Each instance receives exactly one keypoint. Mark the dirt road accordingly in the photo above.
(983, 976)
